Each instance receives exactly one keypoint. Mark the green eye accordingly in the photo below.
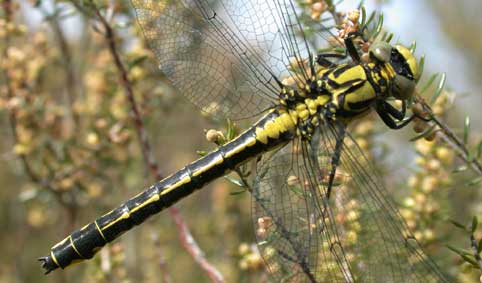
(382, 51)
(402, 87)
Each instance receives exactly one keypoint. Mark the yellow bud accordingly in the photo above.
(36, 217)
(429, 184)
(243, 264)
(351, 237)
(418, 235)
(292, 180)
(214, 135)
(409, 202)
(413, 182)
(352, 216)
(424, 147)
(318, 7)
(66, 183)
(21, 149)
(243, 249)
(420, 161)
(445, 155)
(94, 190)
(433, 165)
(429, 234)
(354, 16)
(101, 123)
(92, 138)
(420, 199)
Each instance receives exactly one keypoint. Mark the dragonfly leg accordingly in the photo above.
(388, 113)
(350, 50)
(335, 159)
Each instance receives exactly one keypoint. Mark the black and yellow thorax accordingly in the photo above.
(344, 92)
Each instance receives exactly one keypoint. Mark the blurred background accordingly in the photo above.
(70, 151)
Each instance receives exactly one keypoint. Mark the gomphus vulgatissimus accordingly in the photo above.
(321, 212)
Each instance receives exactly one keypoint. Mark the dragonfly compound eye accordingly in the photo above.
(402, 87)
(404, 62)
(381, 51)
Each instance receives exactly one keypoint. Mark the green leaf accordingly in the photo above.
(475, 182)
(136, 61)
(370, 19)
(421, 66)
(235, 193)
(466, 129)
(379, 25)
(413, 47)
(470, 260)
(363, 16)
(231, 132)
(458, 251)
(475, 222)
(296, 190)
(440, 87)
(202, 152)
(479, 246)
(235, 181)
(458, 225)
(459, 169)
(479, 149)
(389, 38)
(429, 83)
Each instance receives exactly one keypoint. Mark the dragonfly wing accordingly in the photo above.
(227, 56)
(206, 59)
(355, 235)
(294, 230)
(380, 244)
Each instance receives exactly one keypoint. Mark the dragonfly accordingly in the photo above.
(321, 211)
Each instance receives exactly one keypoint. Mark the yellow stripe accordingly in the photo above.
(100, 231)
(181, 182)
(60, 243)
(241, 147)
(208, 166)
(152, 199)
(54, 259)
(124, 215)
(73, 246)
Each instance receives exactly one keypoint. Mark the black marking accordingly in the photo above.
(369, 71)
(342, 69)
(84, 243)
(400, 64)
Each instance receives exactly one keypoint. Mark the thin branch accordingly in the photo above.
(66, 60)
(166, 278)
(451, 138)
(185, 235)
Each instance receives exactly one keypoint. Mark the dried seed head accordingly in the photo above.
(354, 16)
(214, 135)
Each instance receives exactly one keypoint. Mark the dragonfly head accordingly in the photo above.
(403, 62)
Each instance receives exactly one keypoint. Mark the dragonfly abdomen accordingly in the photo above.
(274, 129)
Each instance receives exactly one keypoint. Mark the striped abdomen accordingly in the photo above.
(274, 129)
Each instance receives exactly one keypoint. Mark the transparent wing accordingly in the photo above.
(382, 245)
(295, 230)
(357, 235)
(225, 56)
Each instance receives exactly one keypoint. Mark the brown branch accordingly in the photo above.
(166, 278)
(34, 177)
(67, 62)
(185, 235)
